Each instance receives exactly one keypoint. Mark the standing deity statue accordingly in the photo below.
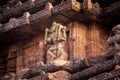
(54, 37)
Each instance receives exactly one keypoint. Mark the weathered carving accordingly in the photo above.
(113, 42)
(10, 24)
(117, 67)
(23, 20)
(13, 22)
(95, 65)
(18, 8)
(111, 8)
(67, 5)
(56, 33)
(108, 76)
(95, 70)
(69, 66)
(45, 13)
(56, 52)
(54, 38)
(116, 29)
(114, 39)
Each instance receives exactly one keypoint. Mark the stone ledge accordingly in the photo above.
(107, 76)
(27, 19)
(20, 9)
(40, 15)
(14, 23)
(110, 9)
(69, 10)
(66, 6)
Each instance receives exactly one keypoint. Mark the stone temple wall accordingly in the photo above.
(87, 40)
(82, 41)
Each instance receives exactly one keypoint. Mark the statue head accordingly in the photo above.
(26, 14)
(54, 26)
(54, 23)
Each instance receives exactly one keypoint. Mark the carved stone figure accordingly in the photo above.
(114, 39)
(23, 20)
(56, 51)
(54, 37)
(10, 24)
(56, 33)
(13, 22)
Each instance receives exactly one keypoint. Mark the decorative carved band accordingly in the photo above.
(68, 5)
(43, 13)
(111, 8)
(20, 9)
(13, 22)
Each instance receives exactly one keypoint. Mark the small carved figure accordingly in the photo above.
(23, 20)
(10, 24)
(114, 39)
